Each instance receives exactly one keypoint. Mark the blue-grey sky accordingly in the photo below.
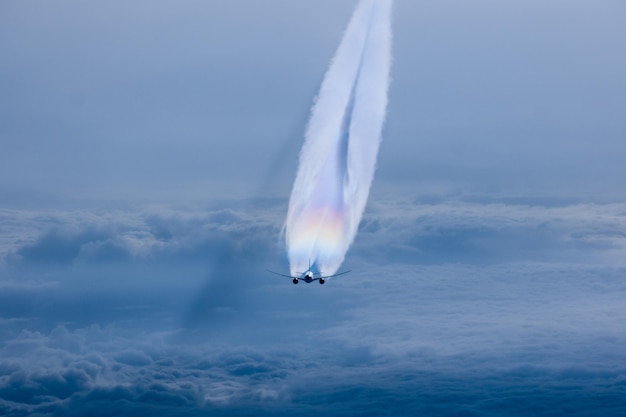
(147, 151)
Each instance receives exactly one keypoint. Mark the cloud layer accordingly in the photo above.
(167, 312)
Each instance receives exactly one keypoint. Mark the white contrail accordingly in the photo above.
(338, 158)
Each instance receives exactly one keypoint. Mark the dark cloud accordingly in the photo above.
(59, 247)
(226, 380)
(70, 238)
(488, 233)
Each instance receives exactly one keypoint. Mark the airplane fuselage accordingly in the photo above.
(308, 277)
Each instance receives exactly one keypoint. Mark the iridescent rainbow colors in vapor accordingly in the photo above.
(338, 158)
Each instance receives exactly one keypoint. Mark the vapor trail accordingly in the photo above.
(338, 158)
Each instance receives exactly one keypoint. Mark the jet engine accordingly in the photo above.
(295, 280)
(322, 280)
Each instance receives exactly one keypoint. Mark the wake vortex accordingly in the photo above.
(338, 158)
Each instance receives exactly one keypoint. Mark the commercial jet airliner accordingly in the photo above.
(308, 276)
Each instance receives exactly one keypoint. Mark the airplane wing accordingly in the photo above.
(282, 275)
(336, 275)
(314, 279)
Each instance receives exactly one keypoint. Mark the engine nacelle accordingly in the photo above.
(295, 280)
(322, 281)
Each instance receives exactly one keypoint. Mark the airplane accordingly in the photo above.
(308, 276)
